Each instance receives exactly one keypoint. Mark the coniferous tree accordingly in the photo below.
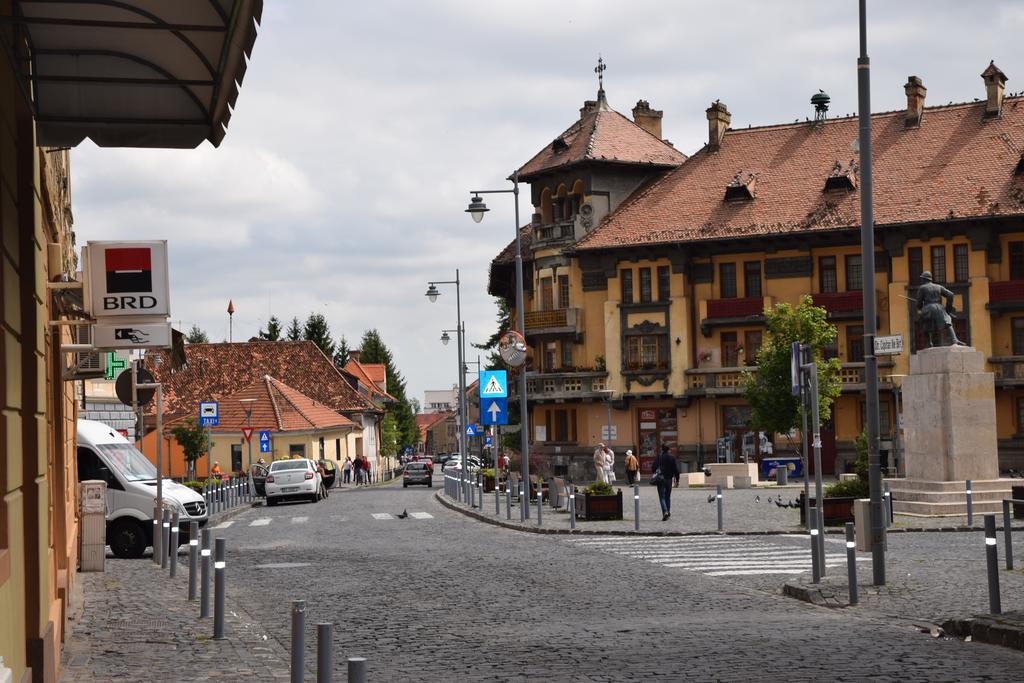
(273, 331)
(373, 350)
(316, 331)
(196, 336)
(341, 353)
(294, 331)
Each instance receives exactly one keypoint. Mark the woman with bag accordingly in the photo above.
(632, 468)
(665, 470)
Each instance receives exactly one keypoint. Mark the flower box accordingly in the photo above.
(837, 511)
(599, 507)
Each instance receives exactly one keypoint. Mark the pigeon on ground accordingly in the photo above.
(711, 498)
(707, 471)
(405, 513)
(757, 499)
(780, 504)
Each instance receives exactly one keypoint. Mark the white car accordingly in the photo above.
(456, 463)
(297, 478)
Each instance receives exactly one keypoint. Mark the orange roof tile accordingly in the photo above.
(957, 164)
(277, 407)
(370, 375)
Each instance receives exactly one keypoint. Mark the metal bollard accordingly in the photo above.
(636, 507)
(887, 504)
(1007, 534)
(540, 502)
(324, 671)
(219, 567)
(572, 507)
(851, 563)
(970, 503)
(497, 496)
(815, 569)
(992, 557)
(206, 497)
(508, 499)
(193, 558)
(156, 535)
(718, 499)
(204, 582)
(357, 670)
(165, 537)
(173, 547)
(298, 639)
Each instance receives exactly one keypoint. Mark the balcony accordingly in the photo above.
(553, 234)
(558, 387)
(735, 308)
(729, 381)
(555, 321)
(1005, 296)
(1008, 370)
(841, 305)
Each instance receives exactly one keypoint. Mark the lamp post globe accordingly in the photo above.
(477, 209)
(433, 293)
(445, 338)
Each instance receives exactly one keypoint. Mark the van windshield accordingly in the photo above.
(129, 463)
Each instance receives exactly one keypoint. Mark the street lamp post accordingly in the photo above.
(460, 329)
(608, 393)
(477, 209)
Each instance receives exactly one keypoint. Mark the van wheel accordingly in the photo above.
(127, 539)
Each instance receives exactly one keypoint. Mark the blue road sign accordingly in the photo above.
(494, 411)
(470, 430)
(265, 441)
(209, 414)
(493, 384)
(488, 440)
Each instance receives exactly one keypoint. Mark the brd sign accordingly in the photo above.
(127, 278)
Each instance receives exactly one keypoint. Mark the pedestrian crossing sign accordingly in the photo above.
(265, 441)
(493, 384)
(470, 430)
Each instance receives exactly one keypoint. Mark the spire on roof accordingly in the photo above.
(599, 70)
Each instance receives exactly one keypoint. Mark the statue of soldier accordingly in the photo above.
(935, 319)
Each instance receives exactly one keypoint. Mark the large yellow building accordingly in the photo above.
(648, 273)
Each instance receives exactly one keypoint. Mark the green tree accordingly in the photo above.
(273, 331)
(775, 408)
(414, 403)
(196, 336)
(192, 439)
(341, 353)
(374, 350)
(316, 331)
(294, 331)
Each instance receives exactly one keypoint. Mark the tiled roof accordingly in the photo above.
(957, 164)
(215, 371)
(425, 421)
(508, 254)
(370, 375)
(602, 135)
(277, 407)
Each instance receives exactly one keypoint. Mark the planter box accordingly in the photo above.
(599, 507)
(838, 511)
(488, 484)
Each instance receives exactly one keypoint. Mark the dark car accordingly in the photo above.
(418, 473)
(330, 474)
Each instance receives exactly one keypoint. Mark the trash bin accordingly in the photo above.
(1017, 493)
(92, 534)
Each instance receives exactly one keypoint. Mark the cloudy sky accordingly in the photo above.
(362, 126)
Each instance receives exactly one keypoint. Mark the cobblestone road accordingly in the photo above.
(441, 597)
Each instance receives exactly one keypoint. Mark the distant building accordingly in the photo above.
(440, 400)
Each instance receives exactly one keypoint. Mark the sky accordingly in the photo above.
(361, 128)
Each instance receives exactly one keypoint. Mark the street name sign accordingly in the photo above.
(609, 436)
(209, 414)
(493, 384)
(265, 441)
(494, 411)
(889, 346)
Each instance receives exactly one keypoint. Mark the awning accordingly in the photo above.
(136, 73)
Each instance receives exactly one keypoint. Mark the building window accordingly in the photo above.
(830, 350)
(961, 265)
(884, 422)
(297, 449)
(827, 280)
(915, 265)
(547, 294)
(573, 386)
(854, 344)
(337, 449)
(1020, 415)
(854, 273)
(663, 283)
(751, 346)
(627, 286)
(727, 280)
(561, 425)
(647, 352)
(1016, 250)
(323, 450)
(730, 350)
(1018, 336)
(550, 356)
(752, 278)
(939, 263)
(566, 354)
(563, 291)
(645, 285)
(236, 457)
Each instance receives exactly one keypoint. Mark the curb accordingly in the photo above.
(1005, 629)
(815, 596)
(515, 526)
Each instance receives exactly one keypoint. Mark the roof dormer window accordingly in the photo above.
(742, 187)
(842, 178)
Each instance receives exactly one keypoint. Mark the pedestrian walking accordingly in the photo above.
(632, 468)
(599, 459)
(609, 465)
(346, 470)
(665, 471)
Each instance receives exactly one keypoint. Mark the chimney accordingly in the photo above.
(588, 107)
(719, 119)
(353, 354)
(915, 101)
(994, 83)
(647, 118)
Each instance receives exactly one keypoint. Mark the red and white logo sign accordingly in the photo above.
(128, 279)
(129, 269)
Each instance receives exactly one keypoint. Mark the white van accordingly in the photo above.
(131, 489)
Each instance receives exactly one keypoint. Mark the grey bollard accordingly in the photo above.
(508, 499)
(970, 503)
(887, 500)
(204, 573)
(851, 563)
(540, 502)
(815, 568)
(1007, 534)
(497, 496)
(173, 547)
(572, 507)
(165, 537)
(356, 670)
(636, 507)
(193, 559)
(781, 475)
(522, 505)
(156, 534)
(219, 586)
(298, 640)
(324, 670)
(992, 559)
(718, 500)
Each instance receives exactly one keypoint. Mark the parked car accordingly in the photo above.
(131, 486)
(296, 478)
(472, 462)
(418, 473)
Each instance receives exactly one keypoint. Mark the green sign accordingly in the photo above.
(114, 365)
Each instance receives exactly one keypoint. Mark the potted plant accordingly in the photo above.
(488, 474)
(704, 356)
(838, 498)
(600, 502)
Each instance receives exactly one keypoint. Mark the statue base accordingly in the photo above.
(949, 426)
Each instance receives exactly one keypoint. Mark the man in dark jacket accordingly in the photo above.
(666, 465)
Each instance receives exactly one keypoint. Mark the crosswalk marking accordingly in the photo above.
(299, 520)
(381, 515)
(262, 521)
(421, 515)
(225, 525)
(717, 555)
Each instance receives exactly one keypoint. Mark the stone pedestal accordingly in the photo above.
(949, 424)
